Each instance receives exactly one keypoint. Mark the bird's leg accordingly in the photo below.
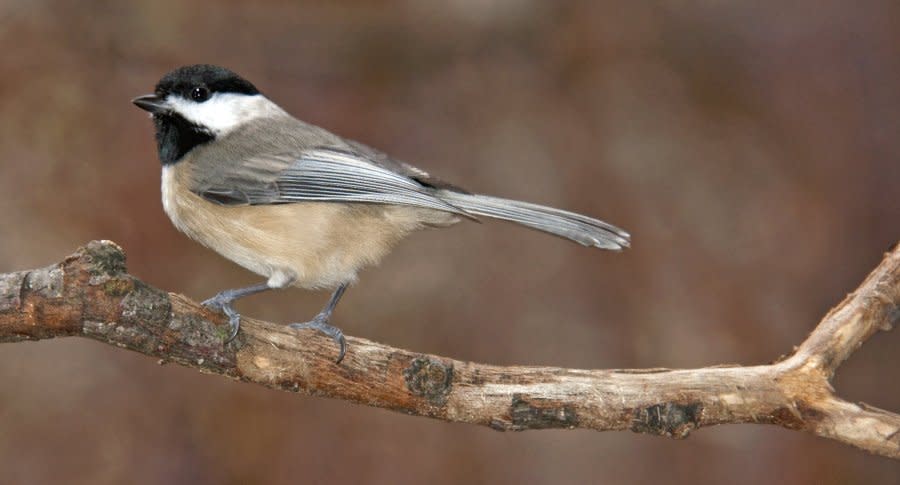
(320, 322)
(223, 300)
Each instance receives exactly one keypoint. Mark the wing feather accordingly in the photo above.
(324, 175)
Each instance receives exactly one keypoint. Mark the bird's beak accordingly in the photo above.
(152, 103)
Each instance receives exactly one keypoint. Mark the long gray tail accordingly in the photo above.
(576, 227)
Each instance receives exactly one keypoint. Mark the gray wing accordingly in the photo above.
(402, 168)
(326, 168)
(321, 174)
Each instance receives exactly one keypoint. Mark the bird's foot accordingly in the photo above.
(320, 323)
(222, 302)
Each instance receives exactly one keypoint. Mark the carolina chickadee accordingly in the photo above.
(297, 204)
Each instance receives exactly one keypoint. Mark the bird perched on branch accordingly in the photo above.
(299, 205)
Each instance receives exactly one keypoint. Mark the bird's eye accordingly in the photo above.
(200, 94)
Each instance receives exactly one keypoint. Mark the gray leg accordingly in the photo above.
(320, 322)
(224, 299)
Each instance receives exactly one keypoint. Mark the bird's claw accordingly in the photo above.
(216, 303)
(320, 323)
(223, 305)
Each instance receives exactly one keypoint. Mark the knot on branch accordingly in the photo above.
(530, 413)
(101, 259)
(429, 378)
(670, 419)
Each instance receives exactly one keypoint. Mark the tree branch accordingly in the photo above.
(90, 294)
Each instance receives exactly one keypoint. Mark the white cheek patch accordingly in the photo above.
(223, 112)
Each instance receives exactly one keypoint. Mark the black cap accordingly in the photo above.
(213, 78)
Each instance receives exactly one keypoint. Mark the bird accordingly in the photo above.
(299, 205)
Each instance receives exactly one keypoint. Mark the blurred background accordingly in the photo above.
(751, 149)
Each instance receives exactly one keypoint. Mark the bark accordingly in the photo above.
(90, 294)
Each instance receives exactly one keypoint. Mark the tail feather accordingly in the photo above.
(576, 227)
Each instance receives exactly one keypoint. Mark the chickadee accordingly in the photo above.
(299, 205)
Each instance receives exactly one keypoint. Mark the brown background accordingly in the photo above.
(751, 148)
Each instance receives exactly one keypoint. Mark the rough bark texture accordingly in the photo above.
(90, 294)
